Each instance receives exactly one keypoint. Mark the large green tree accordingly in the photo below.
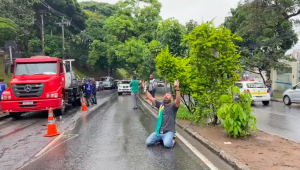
(171, 33)
(267, 32)
(8, 30)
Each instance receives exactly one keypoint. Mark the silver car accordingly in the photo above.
(99, 85)
(292, 95)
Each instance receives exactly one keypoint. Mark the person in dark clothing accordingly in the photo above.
(88, 91)
(94, 91)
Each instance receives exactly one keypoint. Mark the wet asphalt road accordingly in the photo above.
(279, 119)
(113, 137)
(21, 139)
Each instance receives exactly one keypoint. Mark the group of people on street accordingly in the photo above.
(90, 91)
(167, 111)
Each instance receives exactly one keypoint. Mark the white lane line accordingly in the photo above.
(50, 144)
(196, 152)
(48, 151)
(190, 146)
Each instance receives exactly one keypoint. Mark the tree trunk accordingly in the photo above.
(260, 73)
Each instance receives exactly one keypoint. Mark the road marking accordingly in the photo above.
(47, 151)
(190, 146)
(196, 152)
(51, 143)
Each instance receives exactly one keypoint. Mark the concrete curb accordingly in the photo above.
(209, 145)
(276, 100)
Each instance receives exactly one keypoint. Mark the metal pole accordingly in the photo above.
(10, 55)
(63, 40)
(43, 40)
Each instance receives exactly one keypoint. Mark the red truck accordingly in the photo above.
(41, 82)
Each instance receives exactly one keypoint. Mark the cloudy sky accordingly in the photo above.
(196, 10)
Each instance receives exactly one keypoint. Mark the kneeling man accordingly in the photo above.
(165, 126)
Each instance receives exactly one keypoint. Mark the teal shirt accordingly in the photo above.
(134, 84)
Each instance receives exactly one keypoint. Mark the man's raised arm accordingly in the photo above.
(178, 96)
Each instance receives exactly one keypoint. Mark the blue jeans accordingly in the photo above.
(167, 139)
(153, 93)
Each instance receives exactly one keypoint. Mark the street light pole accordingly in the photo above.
(62, 24)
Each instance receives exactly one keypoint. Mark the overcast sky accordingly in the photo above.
(196, 10)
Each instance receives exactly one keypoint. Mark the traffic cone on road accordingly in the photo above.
(83, 107)
(52, 131)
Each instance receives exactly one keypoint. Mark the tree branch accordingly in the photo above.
(292, 15)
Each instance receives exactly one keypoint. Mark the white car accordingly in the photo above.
(160, 84)
(292, 95)
(259, 91)
(124, 87)
(108, 82)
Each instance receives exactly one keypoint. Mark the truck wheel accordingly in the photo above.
(119, 93)
(16, 115)
(61, 111)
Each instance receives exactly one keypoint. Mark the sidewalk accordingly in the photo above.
(259, 151)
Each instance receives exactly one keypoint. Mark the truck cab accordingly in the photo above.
(40, 83)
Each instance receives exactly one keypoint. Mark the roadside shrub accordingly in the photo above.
(183, 113)
(236, 113)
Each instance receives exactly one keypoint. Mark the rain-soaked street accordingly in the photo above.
(113, 137)
(21, 140)
(279, 119)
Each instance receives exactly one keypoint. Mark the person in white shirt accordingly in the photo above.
(152, 86)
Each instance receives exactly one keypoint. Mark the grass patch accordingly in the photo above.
(78, 73)
(8, 77)
(122, 74)
(277, 94)
(183, 113)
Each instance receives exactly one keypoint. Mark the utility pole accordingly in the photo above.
(62, 24)
(43, 40)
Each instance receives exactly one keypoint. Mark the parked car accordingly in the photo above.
(161, 84)
(124, 87)
(108, 82)
(292, 95)
(99, 85)
(259, 91)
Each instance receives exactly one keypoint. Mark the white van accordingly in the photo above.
(108, 82)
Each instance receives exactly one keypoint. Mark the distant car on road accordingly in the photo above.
(292, 95)
(108, 82)
(99, 85)
(124, 87)
(259, 91)
(161, 84)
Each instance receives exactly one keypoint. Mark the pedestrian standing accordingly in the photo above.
(134, 84)
(165, 125)
(2, 87)
(94, 91)
(152, 86)
(88, 91)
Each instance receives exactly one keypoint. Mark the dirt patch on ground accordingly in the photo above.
(260, 151)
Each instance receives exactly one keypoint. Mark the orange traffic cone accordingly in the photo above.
(83, 106)
(52, 131)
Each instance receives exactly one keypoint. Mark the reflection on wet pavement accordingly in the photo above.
(279, 119)
(114, 138)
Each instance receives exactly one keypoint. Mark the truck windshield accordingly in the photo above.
(103, 79)
(48, 68)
